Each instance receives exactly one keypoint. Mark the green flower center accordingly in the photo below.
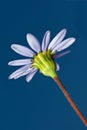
(45, 63)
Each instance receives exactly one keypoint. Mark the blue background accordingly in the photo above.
(40, 105)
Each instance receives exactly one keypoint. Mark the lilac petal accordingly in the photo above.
(46, 40)
(57, 39)
(20, 62)
(61, 54)
(33, 42)
(24, 73)
(57, 67)
(65, 44)
(22, 50)
(30, 75)
(19, 71)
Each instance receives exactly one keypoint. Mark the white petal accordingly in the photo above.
(33, 42)
(46, 40)
(57, 67)
(57, 39)
(65, 44)
(20, 62)
(24, 73)
(18, 72)
(22, 50)
(30, 75)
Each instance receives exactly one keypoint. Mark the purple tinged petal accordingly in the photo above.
(61, 54)
(19, 72)
(20, 62)
(57, 67)
(45, 41)
(22, 50)
(24, 73)
(57, 39)
(30, 75)
(33, 42)
(65, 44)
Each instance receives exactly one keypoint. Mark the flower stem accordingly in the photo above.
(68, 97)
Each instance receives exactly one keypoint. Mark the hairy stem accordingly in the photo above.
(68, 97)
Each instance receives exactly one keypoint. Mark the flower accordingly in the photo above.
(40, 57)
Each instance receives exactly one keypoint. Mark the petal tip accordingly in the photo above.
(9, 77)
(48, 31)
(73, 39)
(65, 30)
(27, 80)
(28, 35)
(13, 46)
(8, 63)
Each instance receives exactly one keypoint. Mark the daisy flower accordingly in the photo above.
(42, 58)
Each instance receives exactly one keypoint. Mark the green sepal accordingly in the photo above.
(45, 63)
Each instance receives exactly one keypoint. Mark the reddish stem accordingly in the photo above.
(68, 97)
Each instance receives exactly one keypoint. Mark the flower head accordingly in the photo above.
(40, 57)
